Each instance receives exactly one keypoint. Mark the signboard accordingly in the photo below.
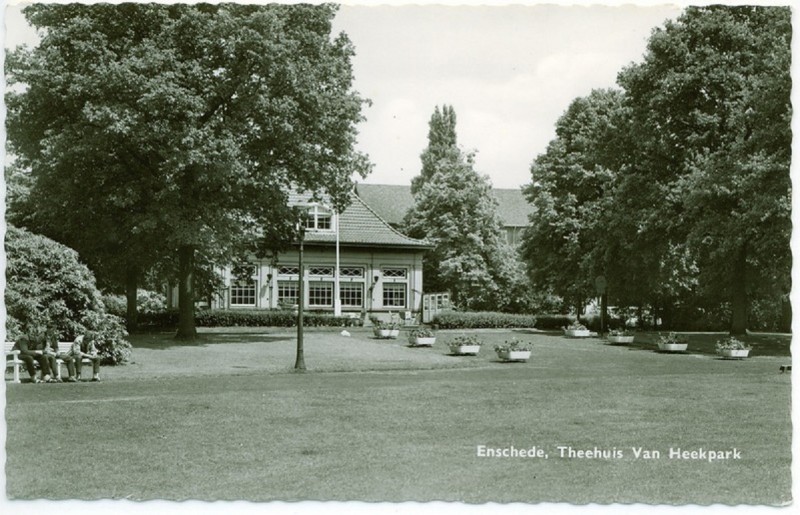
(600, 283)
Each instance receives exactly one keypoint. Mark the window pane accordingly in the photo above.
(394, 295)
(351, 294)
(320, 294)
(326, 271)
(287, 293)
(243, 294)
(288, 270)
(394, 272)
(351, 271)
(323, 221)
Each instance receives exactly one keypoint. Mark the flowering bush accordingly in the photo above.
(731, 343)
(514, 344)
(670, 339)
(421, 333)
(619, 332)
(458, 341)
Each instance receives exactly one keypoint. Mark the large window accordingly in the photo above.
(320, 294)
(395, 286)
(394, 295)
(287, 293)
(351, 294)
(243, 286)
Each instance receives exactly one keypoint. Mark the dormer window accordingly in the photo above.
(319, 219)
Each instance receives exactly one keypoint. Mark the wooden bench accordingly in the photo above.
(13, 361)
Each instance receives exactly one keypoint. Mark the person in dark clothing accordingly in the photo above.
(31, 347)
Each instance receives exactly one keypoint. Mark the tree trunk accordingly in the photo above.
(300, 363)
(786, 315)
(132, 311)
(739, 294)
(186, 328)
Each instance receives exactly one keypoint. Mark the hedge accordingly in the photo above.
(246, 318)
(481, 320)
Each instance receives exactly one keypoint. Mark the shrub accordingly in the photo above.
(482, 320)
(47, 286)
(147, 302)
(246, 318)
(110, 338)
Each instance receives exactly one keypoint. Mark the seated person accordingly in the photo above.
(84, 347)
(31, 347)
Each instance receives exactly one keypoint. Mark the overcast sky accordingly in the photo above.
(509, 72)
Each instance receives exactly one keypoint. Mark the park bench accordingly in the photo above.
(13, 361)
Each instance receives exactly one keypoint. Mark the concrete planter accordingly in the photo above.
(514, 355)
(465, 350)
(620, 339)
(423, 341)
(673, 347)
(734, 353)
(577, 333)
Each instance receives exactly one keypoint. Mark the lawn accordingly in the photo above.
(227, 418)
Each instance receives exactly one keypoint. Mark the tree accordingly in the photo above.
(442, 145)
(454, 209)
(180, 128)
(711, 109)
(566, 246)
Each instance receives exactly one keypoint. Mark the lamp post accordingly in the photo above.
(337, 301)
(300, 363)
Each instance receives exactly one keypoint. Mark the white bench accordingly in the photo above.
(12, 359)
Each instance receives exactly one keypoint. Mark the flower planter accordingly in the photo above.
(577, 333)
(734, 353)
(514, 355)
(672, 347)
(620, 339)
(465, 350)
(387, 333)
(423, 341)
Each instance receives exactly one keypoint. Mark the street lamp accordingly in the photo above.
(300, 363)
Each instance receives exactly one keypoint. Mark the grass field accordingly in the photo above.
(226, 418)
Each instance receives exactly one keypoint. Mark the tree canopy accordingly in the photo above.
(688, 199)
(165, 130)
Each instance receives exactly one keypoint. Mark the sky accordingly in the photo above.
(509, 72)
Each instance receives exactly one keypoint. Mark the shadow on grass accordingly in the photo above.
(764, 344)
(164, 341)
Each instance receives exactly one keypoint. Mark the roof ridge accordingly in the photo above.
(387, 224)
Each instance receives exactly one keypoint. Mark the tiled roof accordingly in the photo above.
(359, 225)
(392, 202)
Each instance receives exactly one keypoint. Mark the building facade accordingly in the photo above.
(379, 268)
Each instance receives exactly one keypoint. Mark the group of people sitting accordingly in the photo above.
(41, 346)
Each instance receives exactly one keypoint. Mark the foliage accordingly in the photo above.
(514, 344)
(422, 332)
(248, 318)
(455, 210)
(181, 127)
(671, 339)
(383, 325)
(619, 332)
(731, 343)
(110, 338)
(481, 320)
(552, 322)
(677, 188)
(48, 287)
(464, 340)
(147, 302)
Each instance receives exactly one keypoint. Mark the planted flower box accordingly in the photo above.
(673, 347)
(465, 346)
(620, 339)
(421, 338)
(732, 348)
(577, 333)
(513, 350)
